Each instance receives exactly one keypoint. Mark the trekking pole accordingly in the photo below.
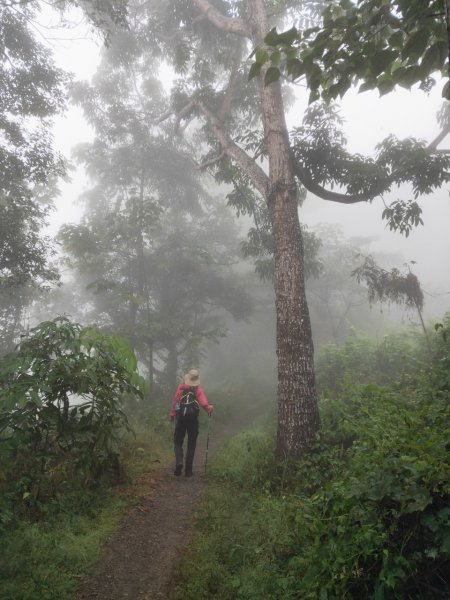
(207, 440)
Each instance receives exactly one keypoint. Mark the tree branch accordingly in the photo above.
(435, 143)
(220, 21)
(257, 176)
(307, 181)
(225, 107)
(304, 176)
(211, 161)
(184, 113)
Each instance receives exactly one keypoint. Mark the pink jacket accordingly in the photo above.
(201, 397)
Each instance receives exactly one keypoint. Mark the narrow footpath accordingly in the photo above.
(139, 561)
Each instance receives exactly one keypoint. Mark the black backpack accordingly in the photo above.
(188, 405)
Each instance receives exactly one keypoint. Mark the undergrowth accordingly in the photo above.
(48, 557)
(365, 514)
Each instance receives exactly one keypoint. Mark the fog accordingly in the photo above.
(368, 119)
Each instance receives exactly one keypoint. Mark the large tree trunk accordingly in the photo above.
(298, 418)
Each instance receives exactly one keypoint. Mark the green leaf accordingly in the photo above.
(314, 96)
(410, 76)
(396, 40)
(272, 75)
(433, 59)
(385, 86)
(275, 57)
(380, 61)
(364, 87)
(295, 68)
(272, 38)
(261, 56)
(255, 69)
(416, 45)
(310, 31)
(288, 37)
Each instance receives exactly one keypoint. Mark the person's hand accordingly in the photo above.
(210, 409)
(171, 418)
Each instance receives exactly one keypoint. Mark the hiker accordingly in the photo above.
(186, 404)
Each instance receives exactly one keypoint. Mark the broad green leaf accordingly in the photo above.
(261, 56)
(272, 38)
(272, 75)
(416, 45)
(288, 37)
(385, 86)
(433, 58)
(396, 40)
(295, 68)
(254, 70)
(275, 58)
(380, 61)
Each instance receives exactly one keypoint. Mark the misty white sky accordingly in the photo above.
(369, 119)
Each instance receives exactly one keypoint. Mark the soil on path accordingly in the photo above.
(139, 561)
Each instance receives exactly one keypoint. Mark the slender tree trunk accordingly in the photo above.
(171, 365)
(298, 417)
(150, 368)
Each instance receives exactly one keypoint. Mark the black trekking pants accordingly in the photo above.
(187, 424)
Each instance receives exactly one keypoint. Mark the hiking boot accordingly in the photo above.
(188, 473)
(178, 470)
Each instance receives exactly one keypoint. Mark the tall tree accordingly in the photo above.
(152, 246)
(246, 143)
(214, 41)
(32, 92)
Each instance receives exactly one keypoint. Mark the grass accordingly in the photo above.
(364, 515)
(48, 559)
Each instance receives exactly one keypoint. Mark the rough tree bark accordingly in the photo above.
(298, 417)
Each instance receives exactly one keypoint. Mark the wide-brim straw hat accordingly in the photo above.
(192, 378)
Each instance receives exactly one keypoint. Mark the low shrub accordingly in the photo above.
(366, 514)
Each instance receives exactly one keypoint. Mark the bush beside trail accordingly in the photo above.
(65, 445)
(365, 515)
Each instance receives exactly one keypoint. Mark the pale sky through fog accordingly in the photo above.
(369, 119)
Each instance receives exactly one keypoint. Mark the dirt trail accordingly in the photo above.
(138, 562)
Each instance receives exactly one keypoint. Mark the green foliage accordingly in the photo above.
(381, 44)
(364, 515)
(320, 145)
(361, 360)
(50, 557)
(403, 216)
(46, 559)
(32, 92)
(61, 411)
